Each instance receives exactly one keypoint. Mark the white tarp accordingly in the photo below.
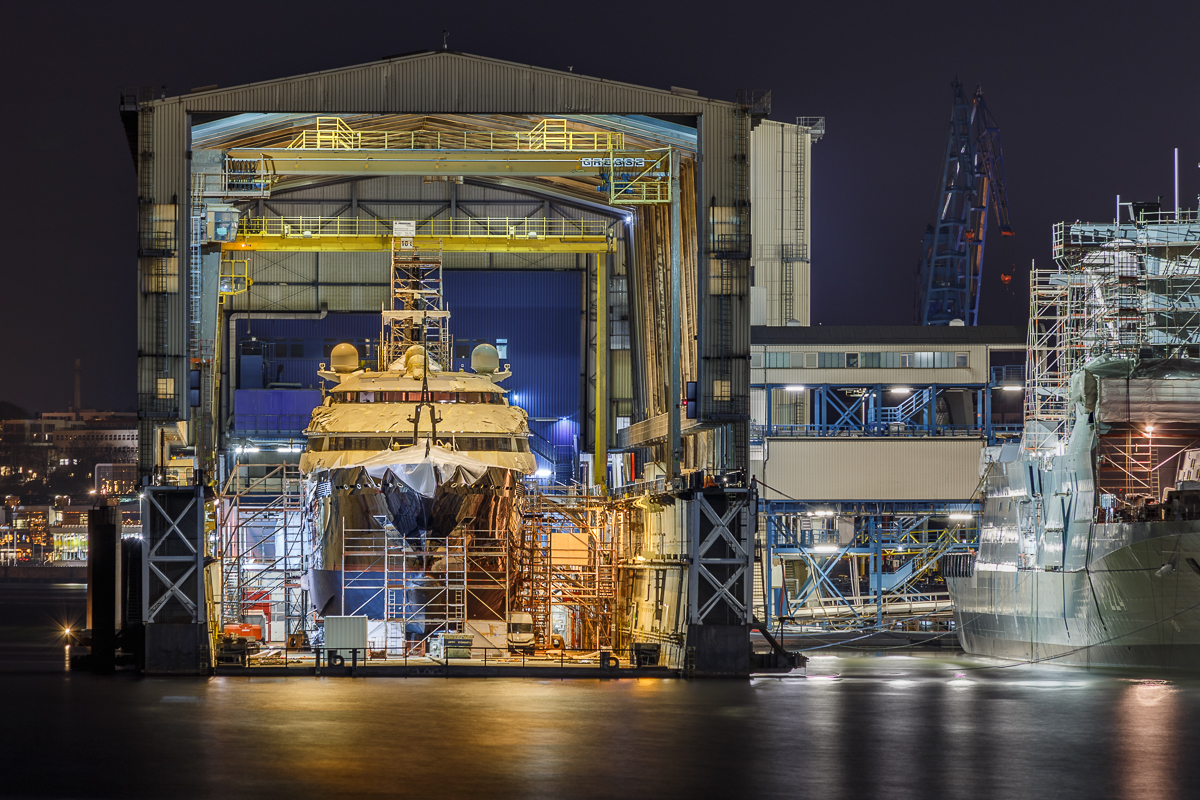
(1152, 400)
(421, 472)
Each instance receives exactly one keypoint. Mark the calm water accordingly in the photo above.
(858, 725)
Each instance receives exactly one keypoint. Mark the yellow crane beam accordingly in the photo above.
(494, 234)
(282, 163)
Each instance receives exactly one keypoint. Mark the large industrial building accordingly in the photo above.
(598, 234)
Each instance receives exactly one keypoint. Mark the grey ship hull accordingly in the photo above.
(1118, 608)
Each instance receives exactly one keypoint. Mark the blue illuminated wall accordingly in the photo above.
(538, 313)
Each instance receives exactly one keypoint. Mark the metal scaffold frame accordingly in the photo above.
(1127, 289)
(424, 586)
(252, 513)
(417, 315)
(896, 547)
(567, 557)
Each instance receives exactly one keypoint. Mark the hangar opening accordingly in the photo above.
(544, 278)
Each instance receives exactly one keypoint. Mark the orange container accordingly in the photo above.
(244, 630)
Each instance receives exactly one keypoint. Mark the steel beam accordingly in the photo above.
(449, 244)
(468, 163)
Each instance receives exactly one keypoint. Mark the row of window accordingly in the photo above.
(886, 360)
(477, 444)
(415, 397)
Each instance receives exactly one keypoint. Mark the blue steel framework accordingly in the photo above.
(972, 184)
(857, 410)
(910, 535)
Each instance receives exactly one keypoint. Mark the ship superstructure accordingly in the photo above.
(1090, 539)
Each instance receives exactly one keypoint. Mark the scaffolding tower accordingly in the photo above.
(1129, 289)
(418, 315)
(567, 556)
(260, 527)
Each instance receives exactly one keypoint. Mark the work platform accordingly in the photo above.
(470, 235)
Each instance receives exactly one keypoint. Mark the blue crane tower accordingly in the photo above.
(972, 183)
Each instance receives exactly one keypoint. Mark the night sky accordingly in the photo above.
(1090, 98)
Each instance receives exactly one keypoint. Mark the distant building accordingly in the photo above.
(116, 479)
(65, 447)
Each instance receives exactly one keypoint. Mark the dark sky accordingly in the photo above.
(1090, 97)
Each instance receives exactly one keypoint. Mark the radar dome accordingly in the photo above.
(344, 358)
(484, 359)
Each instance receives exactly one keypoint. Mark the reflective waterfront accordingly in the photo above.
(858, 725)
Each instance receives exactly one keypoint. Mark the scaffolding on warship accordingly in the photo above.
(1127, 289)
(261, 541)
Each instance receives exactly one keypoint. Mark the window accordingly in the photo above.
(297, 349)
(281, 349)
(831, 360)
(502, 348)
(960, 359)
(851, 360)
(869, 360)
(943, 360)
(906, 360)
(166, 388)
(778, 360)
(756, 360)
(923, 360)
(722, 390)
(810, 360)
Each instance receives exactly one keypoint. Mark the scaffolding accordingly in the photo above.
(1128, 289)
(417, 315)
(567, 556)
(261, 534)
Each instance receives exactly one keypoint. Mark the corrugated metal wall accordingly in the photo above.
(779, 224)
(831, 470)
(538, 314)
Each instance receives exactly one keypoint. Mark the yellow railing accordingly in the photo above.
(234, 278)
(492, 227)
(332, 133)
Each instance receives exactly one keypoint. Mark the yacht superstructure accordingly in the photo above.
(410, 399)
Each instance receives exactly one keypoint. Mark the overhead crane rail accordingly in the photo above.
(511, 234)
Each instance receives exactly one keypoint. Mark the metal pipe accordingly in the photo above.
(600, 456)
(1176, 184)
(674, 337)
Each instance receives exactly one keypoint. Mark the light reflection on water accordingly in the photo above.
(856, 726)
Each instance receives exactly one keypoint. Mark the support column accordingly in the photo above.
(877, 556)
(600, 452)
(674, 334)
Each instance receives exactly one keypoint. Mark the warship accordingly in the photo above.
(1089, 546)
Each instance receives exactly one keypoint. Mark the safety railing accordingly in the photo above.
(270, 424)
(871, 429)
(489, 227)
(332, 133)
(1009, 373)
(254, 655)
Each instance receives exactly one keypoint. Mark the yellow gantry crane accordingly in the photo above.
(493, 234)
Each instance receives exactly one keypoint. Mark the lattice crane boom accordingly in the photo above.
(972, 185)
